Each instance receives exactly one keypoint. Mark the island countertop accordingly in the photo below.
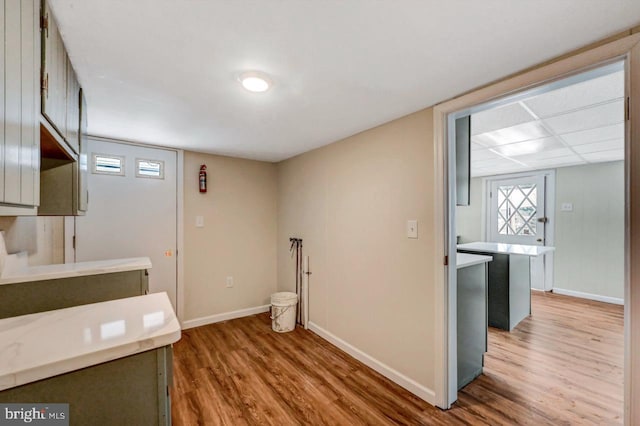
(502, 248)
(38, 346)
(465, 259)
(65, 270)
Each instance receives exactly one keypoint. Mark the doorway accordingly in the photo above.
(628, 49)
(132, 209)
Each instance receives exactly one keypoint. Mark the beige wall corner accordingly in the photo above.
(238, 238)
(371, 286)
(42, 237)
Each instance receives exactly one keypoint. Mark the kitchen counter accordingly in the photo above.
(67, 270)
(503, 248)
(42, 345)
(464, 260)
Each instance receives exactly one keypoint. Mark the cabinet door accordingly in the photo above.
(20, 64)
(54, 94)
(73, 108)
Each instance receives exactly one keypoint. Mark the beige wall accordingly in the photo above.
(589, 242)
(42, 237)
(238, 239)
(371, 286)
(469, 218)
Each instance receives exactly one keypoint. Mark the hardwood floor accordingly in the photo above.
(563, 365)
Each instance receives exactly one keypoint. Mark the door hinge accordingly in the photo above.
(446, 261)
(44, 24)
(73, 242)
(627, 110)
(45, 84)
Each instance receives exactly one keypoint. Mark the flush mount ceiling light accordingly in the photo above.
(255, 81)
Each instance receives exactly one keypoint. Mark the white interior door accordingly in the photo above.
(517, 215)
(131, 211)
(518, 210)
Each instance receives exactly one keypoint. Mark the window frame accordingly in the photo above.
(137, 168)
(94, 164)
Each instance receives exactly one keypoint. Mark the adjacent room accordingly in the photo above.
(319, 212)
(542, 214)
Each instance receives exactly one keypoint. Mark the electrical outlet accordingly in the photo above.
(199, 221)
(229, 282)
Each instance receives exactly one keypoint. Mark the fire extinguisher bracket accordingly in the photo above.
(202, 179)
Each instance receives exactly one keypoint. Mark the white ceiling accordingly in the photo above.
(164, 71)
(579, 124)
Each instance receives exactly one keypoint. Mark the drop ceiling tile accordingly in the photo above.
(483, 154)
(568, 160)
(599, 157)
(529, 147)
(588, 118)
(519, 133)
(615, 131)
(615, 144)
(580, 95)
(543, 155)
(498, 118)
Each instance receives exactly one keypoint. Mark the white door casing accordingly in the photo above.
(131, 216)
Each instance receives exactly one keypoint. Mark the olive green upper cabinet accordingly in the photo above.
(54, 74)
(60, 87)
(19, 106)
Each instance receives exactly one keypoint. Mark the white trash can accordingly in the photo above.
(283, 311)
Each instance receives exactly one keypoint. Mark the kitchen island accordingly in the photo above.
(509, 283)
(110, 361)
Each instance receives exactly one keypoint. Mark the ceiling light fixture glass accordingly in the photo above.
(255, 81)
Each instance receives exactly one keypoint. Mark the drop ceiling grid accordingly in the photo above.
(578, 124)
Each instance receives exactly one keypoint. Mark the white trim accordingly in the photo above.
(395, 376)
(225, 316)
(590, 296)
(180, 235)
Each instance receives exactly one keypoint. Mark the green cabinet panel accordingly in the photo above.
(39, 296)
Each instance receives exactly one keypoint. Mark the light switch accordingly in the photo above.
(199, 221)
(566, 207)
(412, 229)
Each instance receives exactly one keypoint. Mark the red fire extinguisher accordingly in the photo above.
(203, 178)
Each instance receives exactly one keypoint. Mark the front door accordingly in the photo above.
(132, 209)
(518, 210)
(517, 215)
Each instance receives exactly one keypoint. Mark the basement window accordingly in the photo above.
(149, 168)
(105, 164)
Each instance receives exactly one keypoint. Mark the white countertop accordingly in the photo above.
(65, 270)
(37, 346)
(506, 248)
(465, 259)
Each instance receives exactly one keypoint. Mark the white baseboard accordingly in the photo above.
(589, 296)
(197, 322)
(391, 374)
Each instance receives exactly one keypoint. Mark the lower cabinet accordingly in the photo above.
(39, 296)
(128, 391)
(472, 322)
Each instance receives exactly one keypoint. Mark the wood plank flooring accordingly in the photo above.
(563, 365)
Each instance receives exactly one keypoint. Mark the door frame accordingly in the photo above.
(444, 220)
(69, 222)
